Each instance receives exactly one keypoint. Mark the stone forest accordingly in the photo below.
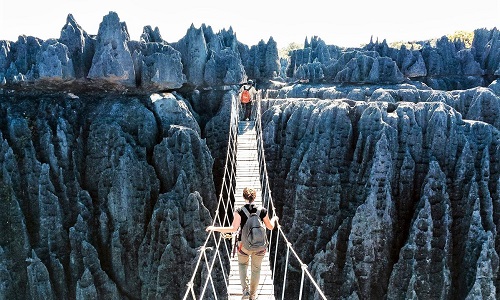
(384, 163)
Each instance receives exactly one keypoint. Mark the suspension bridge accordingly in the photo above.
(215, 275)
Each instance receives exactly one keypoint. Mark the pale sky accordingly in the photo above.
(346, 23)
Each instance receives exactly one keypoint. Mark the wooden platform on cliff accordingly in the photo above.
(247, 175)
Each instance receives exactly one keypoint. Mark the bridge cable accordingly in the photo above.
(230, 160)
(269, 201)
(229, 188)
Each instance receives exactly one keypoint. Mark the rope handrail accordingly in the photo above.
(228, 188)
(268, 200)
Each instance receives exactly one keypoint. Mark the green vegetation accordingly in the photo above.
(466, 36)
(409, 45)
(284, 52)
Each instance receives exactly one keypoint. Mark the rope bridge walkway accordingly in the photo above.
(248, 175)
(245, 167)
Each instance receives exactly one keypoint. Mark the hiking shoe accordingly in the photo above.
(246, 295)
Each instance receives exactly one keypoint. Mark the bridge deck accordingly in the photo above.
(247, 175)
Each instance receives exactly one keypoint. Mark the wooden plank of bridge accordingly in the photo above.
(247, 175)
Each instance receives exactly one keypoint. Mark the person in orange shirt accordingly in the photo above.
(247, 95)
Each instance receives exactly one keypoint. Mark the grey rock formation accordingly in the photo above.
(481, 260)
(85, 288)
(151, 36)
(20, 58)
(223, 68)
(25, 51)
(372, 234)
(448, 65)
(181, 151)
(369, 68)
(261, 61)
(423, 269)
(170, 242)
(15, 244)
(4, 62)
(53, 62)
(390, 181)
(314, 51)
(216, 133)
(211, 59)
(310, 72)
(112, 61)
(194, 53)
(80, 46)
(38, 279)
(159, 66)
(486, 43)
(495, 87)
(382, 95)
(171, 111)
(82, 176)
(384, 194)
(411, 63)
(480, 104)
(442, 59)
(103, 284)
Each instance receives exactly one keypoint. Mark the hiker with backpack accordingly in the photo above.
(247, 95)
(252, 240)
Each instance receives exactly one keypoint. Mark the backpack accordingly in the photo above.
(245, 95)
(253, 233)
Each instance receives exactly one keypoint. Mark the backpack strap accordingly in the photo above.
(245, 211)
(259, 210)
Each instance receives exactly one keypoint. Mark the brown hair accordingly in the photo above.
(249, 194)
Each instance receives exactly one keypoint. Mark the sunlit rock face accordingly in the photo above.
(110, 61)
(88, 182)
(384, 163)
(107, 169)
(444, 65)
(396, 200)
